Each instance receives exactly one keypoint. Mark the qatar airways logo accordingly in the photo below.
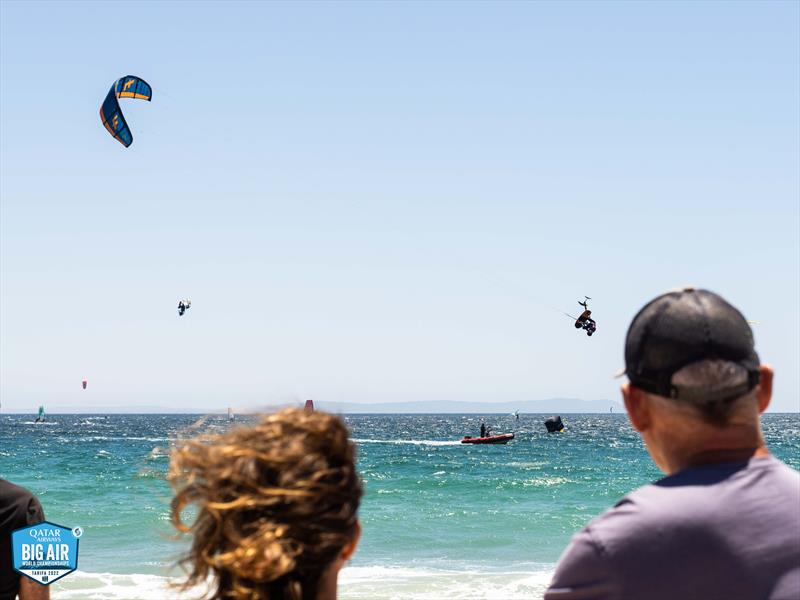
(45, 552)
(45, 535)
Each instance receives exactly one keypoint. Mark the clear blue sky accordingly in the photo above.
(382, 202)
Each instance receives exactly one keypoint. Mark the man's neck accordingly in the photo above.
(707, 457)
(687, 443)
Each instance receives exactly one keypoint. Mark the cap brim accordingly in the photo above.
(619, 373)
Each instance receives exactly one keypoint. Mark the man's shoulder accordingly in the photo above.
(697, 497)
(12, 494)
(779, 468)
(18, 506)
(632, 516)
(13, 491)
(733, 515)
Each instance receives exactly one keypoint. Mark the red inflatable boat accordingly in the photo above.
(503, 438)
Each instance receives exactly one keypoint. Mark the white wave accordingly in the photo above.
(404, 583)
(157, 453)
(81, 585)
(107, 438)
(546, 481)
(412, 442)
(355, 583)
(530, 465)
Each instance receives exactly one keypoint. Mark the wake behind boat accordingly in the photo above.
(502, 438)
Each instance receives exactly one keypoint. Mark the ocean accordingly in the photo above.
(440, 519)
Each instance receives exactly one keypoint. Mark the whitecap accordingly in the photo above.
(410, 442)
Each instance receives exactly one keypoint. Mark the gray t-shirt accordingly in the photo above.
(720, 531)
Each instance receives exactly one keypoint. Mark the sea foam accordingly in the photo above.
(355, 583)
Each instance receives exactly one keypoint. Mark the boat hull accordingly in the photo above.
(492, 439)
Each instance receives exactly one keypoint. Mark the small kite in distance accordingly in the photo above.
(129, 86)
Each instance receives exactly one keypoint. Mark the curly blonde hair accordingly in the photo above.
(276, 504)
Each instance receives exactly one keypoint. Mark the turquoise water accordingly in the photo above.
(440, 519)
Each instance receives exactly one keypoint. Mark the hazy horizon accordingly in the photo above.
(528, 407)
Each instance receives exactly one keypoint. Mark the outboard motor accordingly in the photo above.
(554, 424)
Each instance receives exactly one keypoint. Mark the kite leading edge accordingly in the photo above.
(129, 86)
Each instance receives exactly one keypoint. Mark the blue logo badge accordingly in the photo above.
(45, 552)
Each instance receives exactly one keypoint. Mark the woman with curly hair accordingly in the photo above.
(275, 506)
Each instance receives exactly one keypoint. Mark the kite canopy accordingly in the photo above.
(129, 86)
(554, 424)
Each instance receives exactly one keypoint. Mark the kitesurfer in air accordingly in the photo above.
(585, 321)
(183, 306)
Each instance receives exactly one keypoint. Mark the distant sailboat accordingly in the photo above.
(611, 410)
(40, 418)
(231, 418)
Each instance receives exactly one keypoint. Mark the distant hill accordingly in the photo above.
(555, 405)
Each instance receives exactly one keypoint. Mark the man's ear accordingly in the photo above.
(766, 375)
(350, 547)
(637, 407)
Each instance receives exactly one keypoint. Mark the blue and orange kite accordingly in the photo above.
(129, 86)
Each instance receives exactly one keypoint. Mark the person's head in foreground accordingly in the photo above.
(725, 523)
(696, 386)
(276, 505)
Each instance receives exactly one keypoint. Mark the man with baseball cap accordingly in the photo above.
(725, 522)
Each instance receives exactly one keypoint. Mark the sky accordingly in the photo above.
(384, 202)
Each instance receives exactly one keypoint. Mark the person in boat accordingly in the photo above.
(279, 519)
(724, 521)
(483, 429)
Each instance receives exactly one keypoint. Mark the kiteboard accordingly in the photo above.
(582, 319)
